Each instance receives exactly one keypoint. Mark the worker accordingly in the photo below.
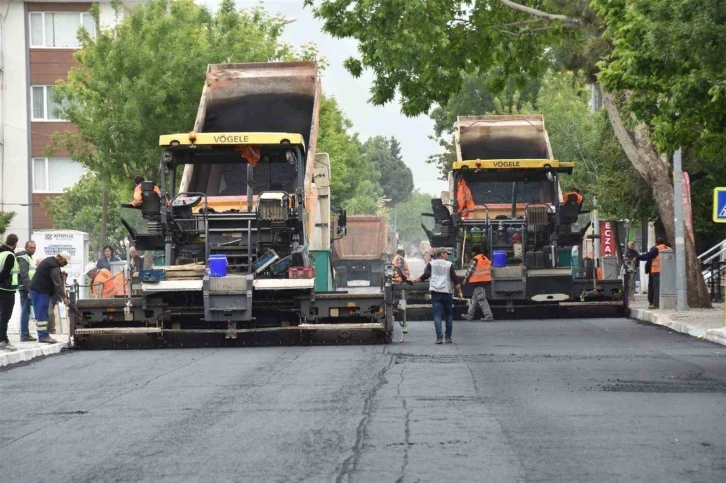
(653, 256)
(442, 282)
(47, 282)
(479, 276)
(138, 193)
(136, 262)
(27, 270)
(103, 284)
(401, 274)
(108, 257)
(400, 266)
(9, 283)
(464, 200)
(573, 191)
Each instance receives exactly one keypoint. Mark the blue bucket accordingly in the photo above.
(217, 265)
(500, 258)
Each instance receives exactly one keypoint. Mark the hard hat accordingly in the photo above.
(89, 267)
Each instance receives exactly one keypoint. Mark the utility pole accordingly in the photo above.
(680, 247)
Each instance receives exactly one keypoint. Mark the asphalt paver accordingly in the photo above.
(601, 400)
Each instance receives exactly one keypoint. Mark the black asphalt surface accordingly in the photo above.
(604, 400)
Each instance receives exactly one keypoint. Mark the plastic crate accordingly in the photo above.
(301, 272)
(152, 275)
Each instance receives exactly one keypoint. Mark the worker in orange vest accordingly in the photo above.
(138, 194)
(401, 274)
(479, 275)
(573, 191)
(653, 256)
(103, 284)
(464, 200)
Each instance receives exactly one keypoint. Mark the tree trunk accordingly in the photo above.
(646, 161)
(104, 218)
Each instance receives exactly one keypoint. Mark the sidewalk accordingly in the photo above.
(30, 350)
(702, 323)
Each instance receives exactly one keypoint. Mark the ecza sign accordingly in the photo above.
(607, 239)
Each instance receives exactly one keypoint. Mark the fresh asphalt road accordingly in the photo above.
(605, 400)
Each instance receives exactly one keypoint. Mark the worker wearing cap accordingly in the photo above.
(442, 282)
(46, 283)
(103, 283)
(479, 276)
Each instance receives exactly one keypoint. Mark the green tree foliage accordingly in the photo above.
(5, 218)
(354, 180)
(408, 220)
(396, 179)
(672, 56)
(79, 208)
(143, 77)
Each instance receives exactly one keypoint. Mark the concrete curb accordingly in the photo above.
(714, 335)
(23, 355)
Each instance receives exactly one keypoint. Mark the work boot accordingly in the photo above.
(651, 307)
(439, 340)
(47, 340)
(28, 338)
(488, 318)
(467, 317)
(449, 341)
(7, 346)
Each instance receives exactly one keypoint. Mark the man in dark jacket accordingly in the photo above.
(9, 281)
(46, 283)
(27, 270)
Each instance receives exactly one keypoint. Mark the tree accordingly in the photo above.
(78, 208)
(396, 179)
(408, 218)
(354, 180)
(5, 218)
(421, 53)
(142, 78)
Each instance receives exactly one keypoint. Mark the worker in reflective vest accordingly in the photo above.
(479, 276)
(573, 191)
(138, 194)
(400, 266)
(27, 270)
(653, 255)
(9, 282)
(103, 284)
(464, 200)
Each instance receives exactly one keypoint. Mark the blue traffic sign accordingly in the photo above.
(719, 205)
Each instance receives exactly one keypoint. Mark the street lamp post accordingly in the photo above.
(680, 246)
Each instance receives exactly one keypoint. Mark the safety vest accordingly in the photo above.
(566, 196)
(139, 194)
(406, 272)
(105, 285)
(31, 265)
(440, 280)
(464, 200)
(655, 265)
(12, 286)
(482, 271)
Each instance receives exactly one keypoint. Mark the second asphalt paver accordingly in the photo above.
(552, 400)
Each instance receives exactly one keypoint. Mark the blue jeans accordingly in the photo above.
(41, 302)
(443, 305)
(25, 304)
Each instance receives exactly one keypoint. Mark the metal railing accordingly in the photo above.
(716, 269)
(715, 253)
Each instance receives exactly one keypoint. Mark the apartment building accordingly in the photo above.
(37, 42)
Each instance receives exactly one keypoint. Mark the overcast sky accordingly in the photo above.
(352, 94)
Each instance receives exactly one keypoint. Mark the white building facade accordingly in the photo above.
(37, 43)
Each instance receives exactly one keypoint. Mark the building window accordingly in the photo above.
(53, 175)
(45, 106)
(59, 29)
